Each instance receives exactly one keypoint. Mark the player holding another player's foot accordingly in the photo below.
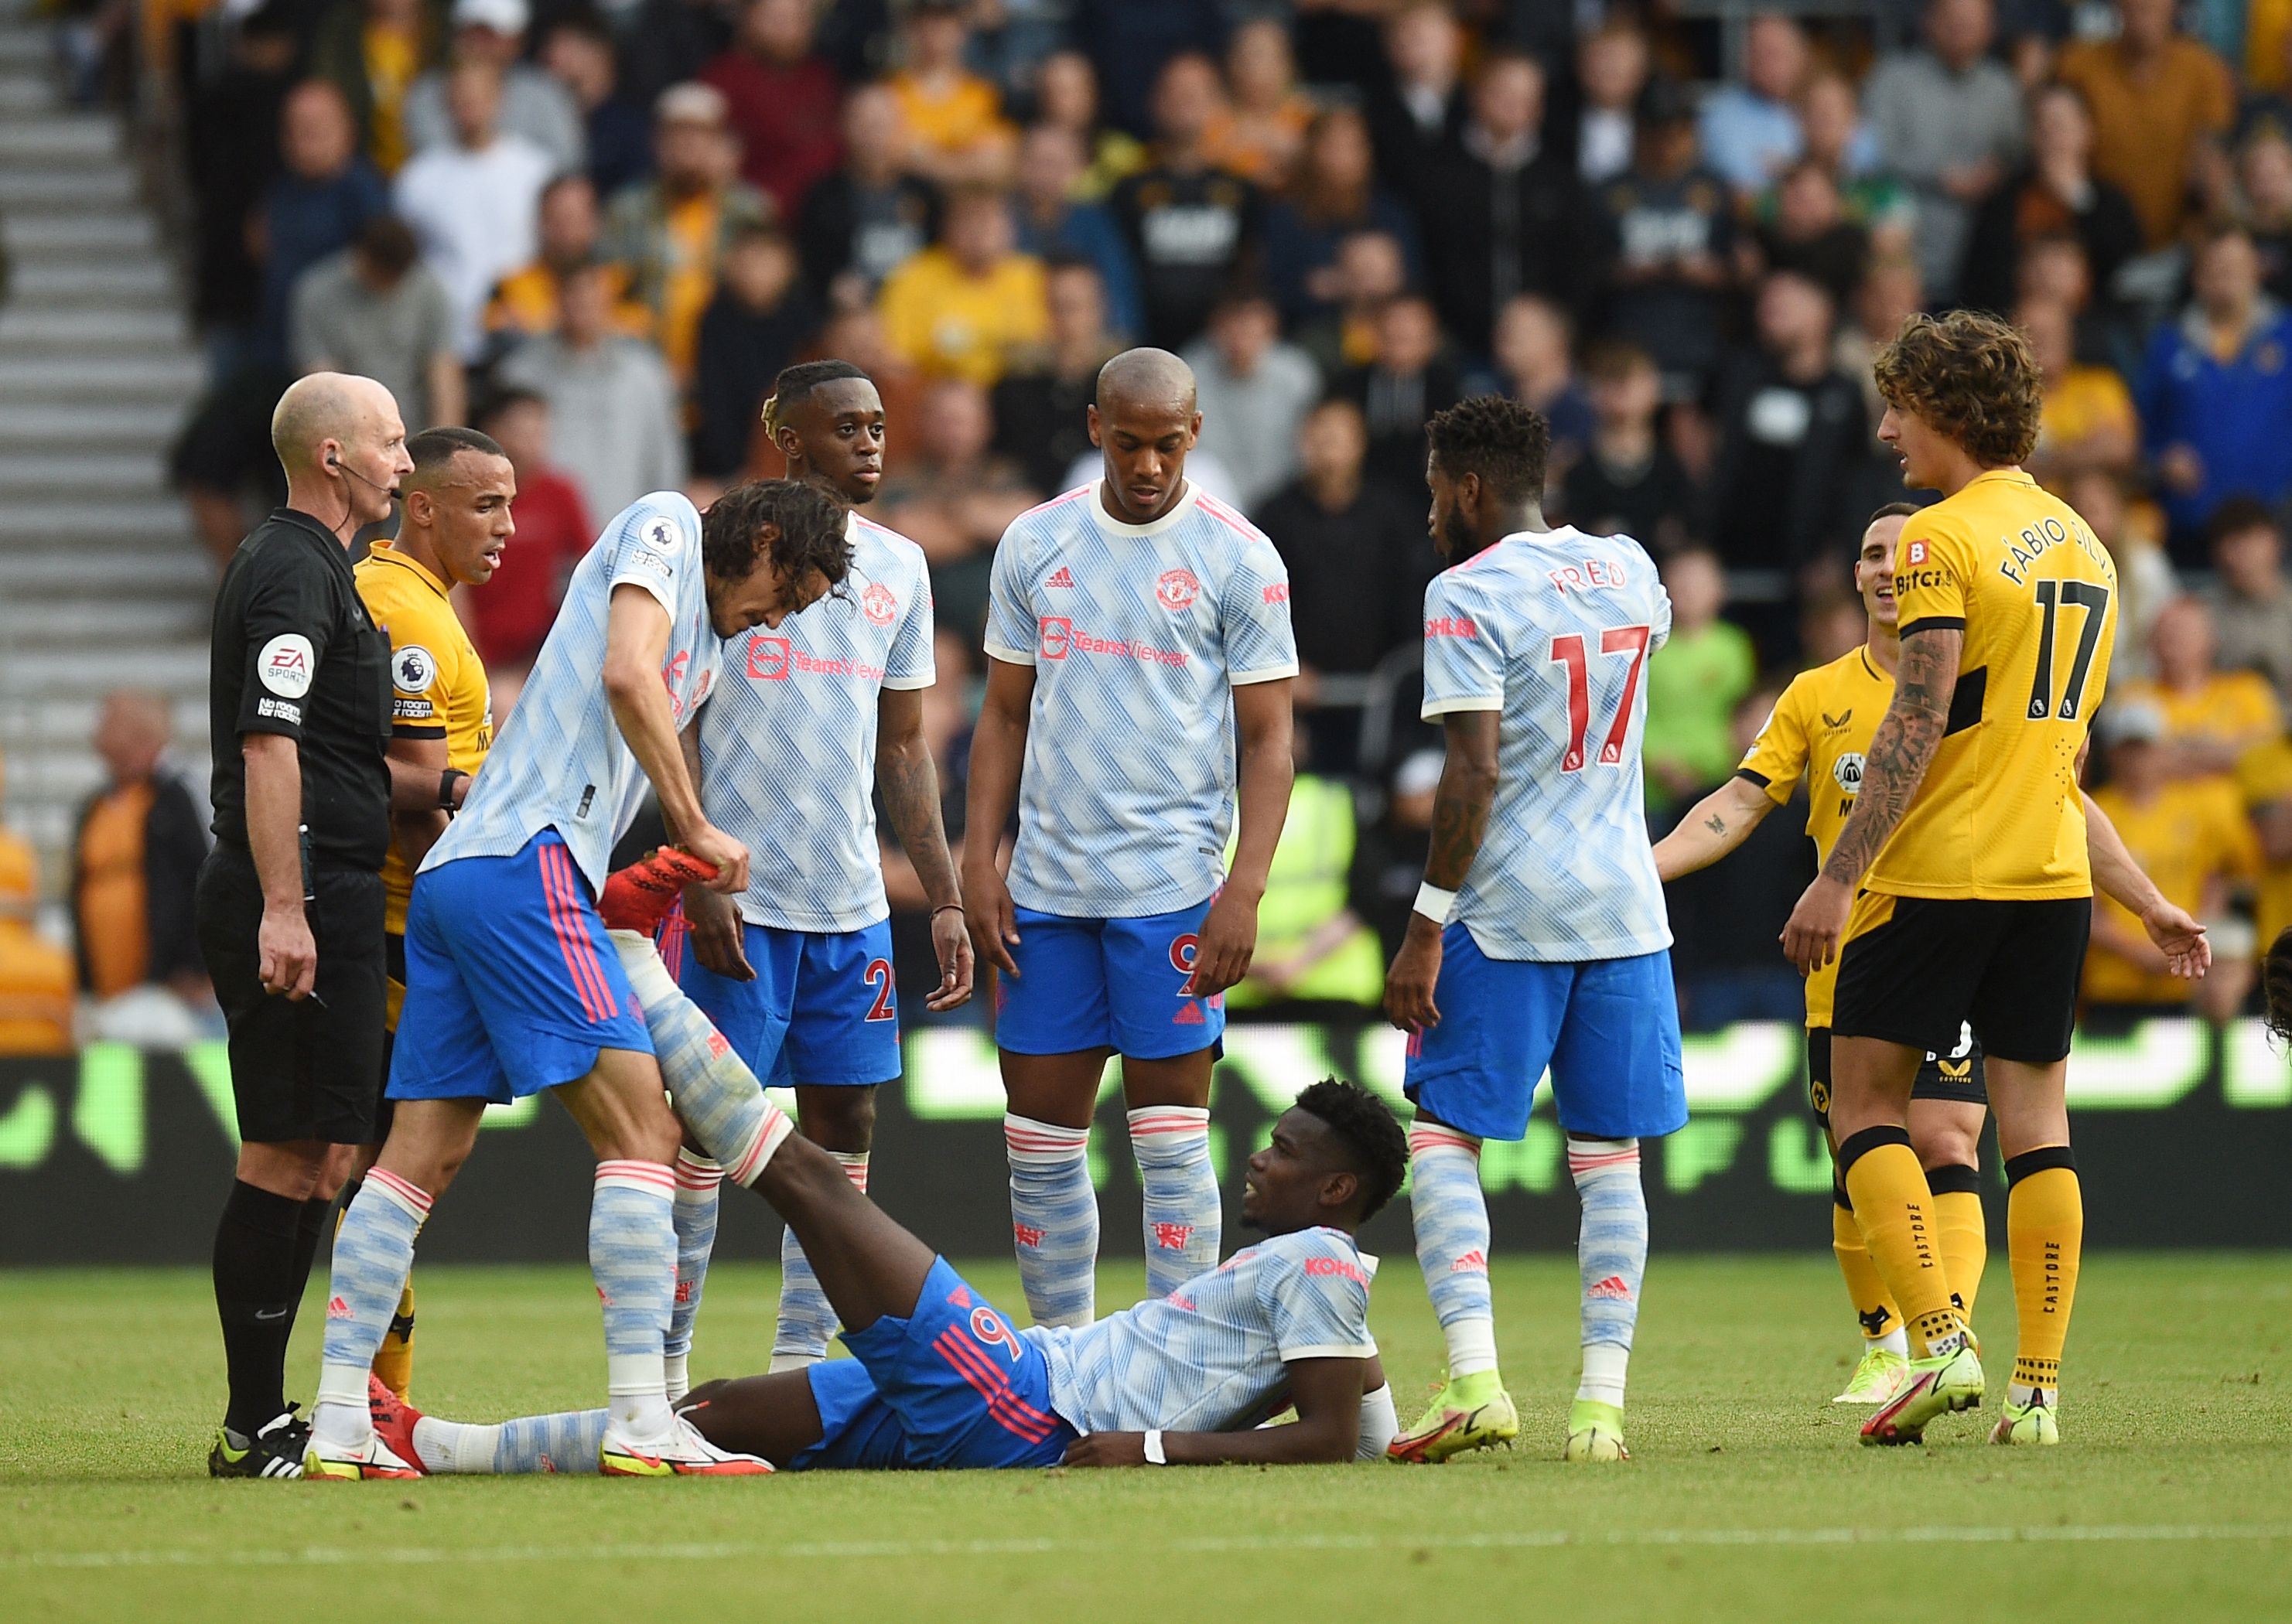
(510, 987)
(1821, 729)
(1138, 642)
(1539, 937)
(811, 717)
(941, 1378)
(1960, 887)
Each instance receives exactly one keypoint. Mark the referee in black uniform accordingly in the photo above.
(290, 903)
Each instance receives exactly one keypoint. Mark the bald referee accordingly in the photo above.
(290, 900)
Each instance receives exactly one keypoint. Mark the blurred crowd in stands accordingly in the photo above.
(596, 229)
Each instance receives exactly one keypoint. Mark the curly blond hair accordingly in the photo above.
(1970, 377)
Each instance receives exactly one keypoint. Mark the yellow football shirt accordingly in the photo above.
(954, 324)
(2262, 778)
(437, 690)
(2232, 710)
(1821, 729)
(1998, 814)
(2189, 834)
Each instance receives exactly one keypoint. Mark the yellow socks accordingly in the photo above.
(1963, 1234)
(1895, 1210)
(1872, 1305)
(393, 1361)
(2045, 1232)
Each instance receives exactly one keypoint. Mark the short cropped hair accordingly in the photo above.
(1970, 377)
(809, 531)
(794, 383)
(433, 448)
(1365, 1126)
(1497, 437)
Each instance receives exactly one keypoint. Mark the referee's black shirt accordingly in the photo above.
(296, 653)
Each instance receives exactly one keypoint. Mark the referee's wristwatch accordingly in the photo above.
(450, 793)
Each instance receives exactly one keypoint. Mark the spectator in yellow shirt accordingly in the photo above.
(2086, 419)
(959, 310)
(35, 975)
(954, 123)
(2192, 837)
(525, 303)
(2263, 779)
(670, 232)
(1261, 129)
(2211, 717)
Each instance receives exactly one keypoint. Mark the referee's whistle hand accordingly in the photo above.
(287, 954)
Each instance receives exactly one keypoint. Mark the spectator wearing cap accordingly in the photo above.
(2213, 718)
(961, 308)
(323, 197)
(1253, 389)
(761, 317)
(781, 98)
(869, 216)
(372, 50)
(1191, 224)
(579, 53)
(376, 311)
(1502, 215)
(511, 618)
(1416, 109)
(2250, 599)
(473, 201)
(535, 104)
(1612, 67)
(2055, 192)
(525, 303)
(2190, 836)
(953, 118)
(1332, 193)
(1535, 364)
(614, 424)
(2216, 391)
(137, 845)
(1410, 376)
(1948, 117)
(1056, 220)
(1628, 482)
(1041, 406)
(1664, 233)
(2157, 99)
(1748, 132)
(670, 232)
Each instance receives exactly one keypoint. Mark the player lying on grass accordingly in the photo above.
(941, 1378)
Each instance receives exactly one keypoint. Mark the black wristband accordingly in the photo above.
(445, 781)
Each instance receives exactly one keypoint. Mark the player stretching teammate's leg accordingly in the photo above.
(1540, 937)
(812, 721)
(1960, 885)
(1136, 627)
(940, 1379)
(510, 987)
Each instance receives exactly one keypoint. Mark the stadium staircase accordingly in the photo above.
(102, 583)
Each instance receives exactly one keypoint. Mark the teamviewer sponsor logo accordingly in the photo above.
(1058, 633)
(768, 659)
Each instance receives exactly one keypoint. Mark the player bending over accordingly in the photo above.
(1539, 937)
(1820, 729)
(811, 716)
(1960, 885)
(510, 986)
(940, 1378)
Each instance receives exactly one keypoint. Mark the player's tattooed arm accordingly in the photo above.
(1893, 768)
(1719, 823)
(909, 783)
(2175, 932)
(1460, 822)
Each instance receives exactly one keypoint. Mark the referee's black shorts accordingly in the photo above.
(1919, 966)
(310, 1070)
(1956, 1076)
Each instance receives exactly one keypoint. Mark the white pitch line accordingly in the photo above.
(323, 1556)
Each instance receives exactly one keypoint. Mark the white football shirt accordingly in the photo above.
(1138, 634)
(560, 762)
(1212, 1355)
(788, 745)
(1553, 629)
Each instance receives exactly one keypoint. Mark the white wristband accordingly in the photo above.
(1154, 1454)
(1435, 904)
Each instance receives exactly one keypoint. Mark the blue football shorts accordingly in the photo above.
(1106, 984)
(823, 1008)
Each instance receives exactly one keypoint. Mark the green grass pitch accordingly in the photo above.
(1747, 1498)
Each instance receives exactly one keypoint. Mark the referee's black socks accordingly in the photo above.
(263, 1250)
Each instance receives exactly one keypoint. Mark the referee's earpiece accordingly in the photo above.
(333, 460)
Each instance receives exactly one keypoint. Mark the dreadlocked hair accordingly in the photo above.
(807, 531)
(1969, 377)
(1365, 1126)
(794, 383)
(2276, 981)
(1496, 437)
